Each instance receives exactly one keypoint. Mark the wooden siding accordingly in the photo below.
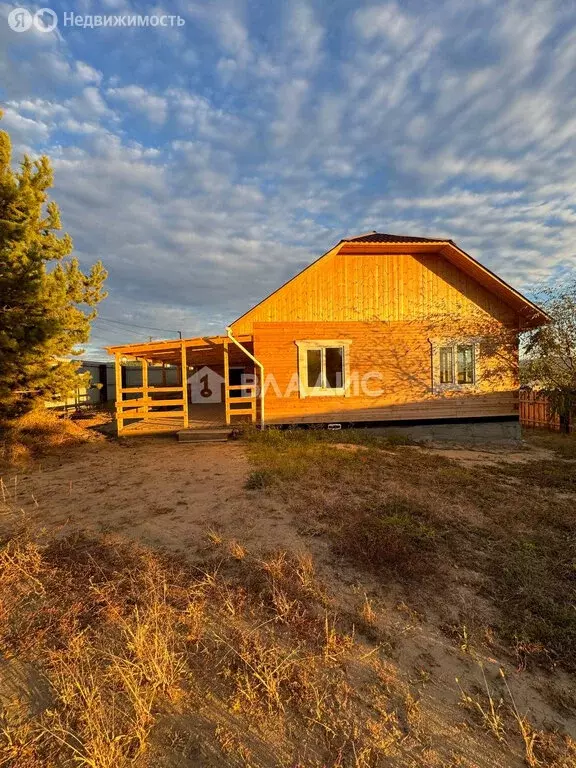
(394, 287)
(401, 352)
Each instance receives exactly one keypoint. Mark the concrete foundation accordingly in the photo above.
(467, 432)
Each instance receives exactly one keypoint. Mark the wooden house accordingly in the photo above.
(386, 330)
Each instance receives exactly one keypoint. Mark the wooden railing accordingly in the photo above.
(136, 408)
(140, 407)
(248, 403)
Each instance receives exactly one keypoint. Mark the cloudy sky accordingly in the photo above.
(207, 163)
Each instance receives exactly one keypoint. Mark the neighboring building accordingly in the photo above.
(102, 386)
(382, 329)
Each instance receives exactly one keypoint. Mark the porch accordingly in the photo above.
(215, 388)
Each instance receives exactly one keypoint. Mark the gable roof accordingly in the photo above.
(379, 237)
(531, 316)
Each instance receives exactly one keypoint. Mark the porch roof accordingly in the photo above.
(170, 351)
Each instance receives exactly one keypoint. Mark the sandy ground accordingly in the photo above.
(172, 495)
(492, 455)
(488, 456)
(154, 490)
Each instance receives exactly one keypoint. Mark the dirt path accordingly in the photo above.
(155, 491)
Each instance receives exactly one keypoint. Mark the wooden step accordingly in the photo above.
(204, 435)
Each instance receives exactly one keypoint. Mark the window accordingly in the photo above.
(334, 367)
(314, 367)
(446, 365)
(325, 368)
(465, 367)
(457, 364)
(322, 367)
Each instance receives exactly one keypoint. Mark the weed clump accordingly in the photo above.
(396, 536)
(258, 479)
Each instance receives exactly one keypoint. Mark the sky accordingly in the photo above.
(207, 163)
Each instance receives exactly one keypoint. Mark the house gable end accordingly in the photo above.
(380, 282)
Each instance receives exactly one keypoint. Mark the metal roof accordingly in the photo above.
(380, 237)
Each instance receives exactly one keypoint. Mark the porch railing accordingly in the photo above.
(248, 403)
(141, 407)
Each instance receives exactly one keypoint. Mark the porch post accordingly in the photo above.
(226, 382)
(184, 379)
(118, 378)
(145, 385)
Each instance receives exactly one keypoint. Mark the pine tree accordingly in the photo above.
(46, 301)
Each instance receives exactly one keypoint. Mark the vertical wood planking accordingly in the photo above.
(389, 287)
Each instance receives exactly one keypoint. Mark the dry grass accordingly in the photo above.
(486, 707)
(248, 658)
(127, 642)
(563, 445)
(498, 713)
(37, 433)
(403, 513)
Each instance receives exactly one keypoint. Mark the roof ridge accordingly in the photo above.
(383, 237)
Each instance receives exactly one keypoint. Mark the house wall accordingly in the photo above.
(401, 353)
(396, 309)
(379, 287)
(91, 393)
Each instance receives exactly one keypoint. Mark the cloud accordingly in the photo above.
(194, 112)
(388, 22)
(304, 35)
(141, 100)
(207, 172)
(25, 129)
(87, 74)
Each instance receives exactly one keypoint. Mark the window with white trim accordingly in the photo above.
(322, 367)
(457, 364)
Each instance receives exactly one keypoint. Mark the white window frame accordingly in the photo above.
(304, 346)
(454, 344)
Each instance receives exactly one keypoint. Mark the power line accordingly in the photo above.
(110, 333)
(115, 330)
(134, 325)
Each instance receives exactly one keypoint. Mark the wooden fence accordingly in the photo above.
(536, 411)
